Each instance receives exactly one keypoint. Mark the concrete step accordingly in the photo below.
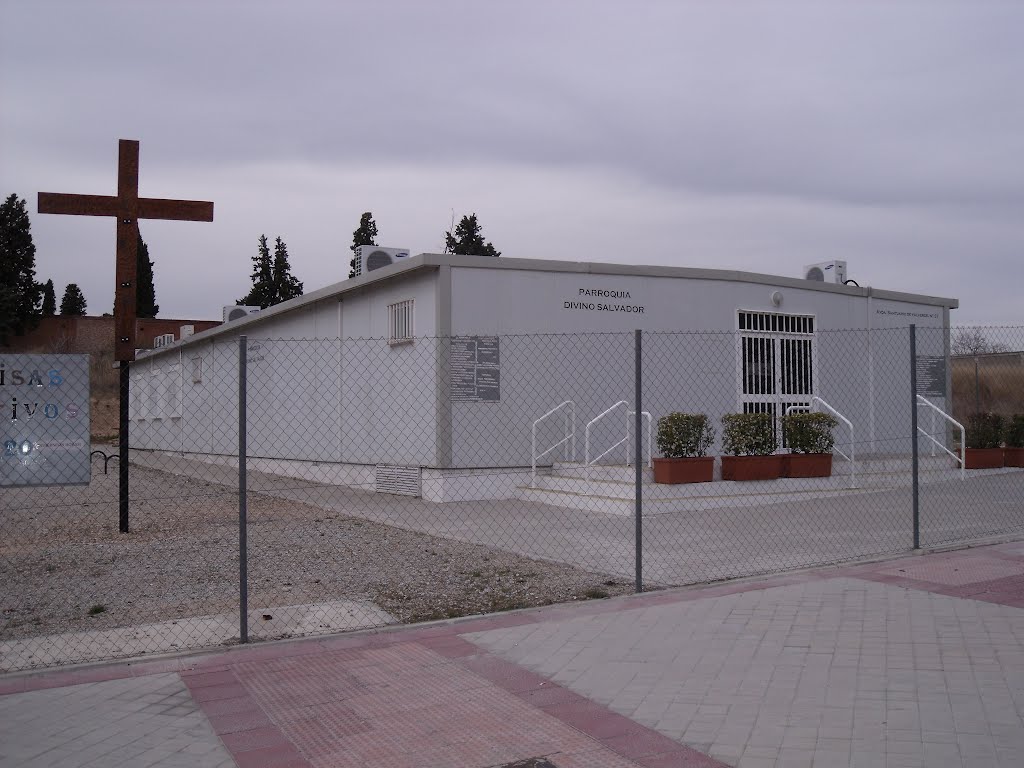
(610, 488)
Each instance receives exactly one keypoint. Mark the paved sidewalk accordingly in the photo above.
(917, 661)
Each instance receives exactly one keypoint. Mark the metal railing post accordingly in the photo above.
(638, 511)
(913, 434)
(243, 554)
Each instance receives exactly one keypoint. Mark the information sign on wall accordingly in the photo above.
(931, 375)
(45, 427)
(476, 369)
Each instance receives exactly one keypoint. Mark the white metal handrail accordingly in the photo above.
(587, 461)
(568, 432)
(815, 400)
(921, 400)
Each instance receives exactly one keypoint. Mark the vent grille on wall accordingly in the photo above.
(403, 481)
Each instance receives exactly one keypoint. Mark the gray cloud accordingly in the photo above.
(766, 132)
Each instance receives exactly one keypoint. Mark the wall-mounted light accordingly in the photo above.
(776, 298)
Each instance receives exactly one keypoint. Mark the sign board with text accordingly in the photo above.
(476, 369)
(931, 375)
(45, 430)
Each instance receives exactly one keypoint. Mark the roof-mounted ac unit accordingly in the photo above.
(826, 272)
(163, 340)
(238, 312)
(187, 330)
(371, 257)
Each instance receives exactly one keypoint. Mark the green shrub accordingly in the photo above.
(684, 434)
(984, 430)
(748, 434)
(1015, 431)
(809, 432)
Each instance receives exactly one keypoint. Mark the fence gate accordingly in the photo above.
(776, 364)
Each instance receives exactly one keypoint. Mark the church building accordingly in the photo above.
(437, 366)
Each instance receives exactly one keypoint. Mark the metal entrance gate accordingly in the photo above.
(775, 363)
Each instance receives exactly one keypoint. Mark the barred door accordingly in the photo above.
(776, 363)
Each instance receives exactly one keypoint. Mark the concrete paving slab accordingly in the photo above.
(896, 664)
(827, 668)
(142, 721)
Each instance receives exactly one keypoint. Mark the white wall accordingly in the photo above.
(863, 375)
(340, 393)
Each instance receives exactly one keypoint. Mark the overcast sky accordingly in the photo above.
(752, 136)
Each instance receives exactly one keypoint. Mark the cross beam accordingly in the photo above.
(128, 208)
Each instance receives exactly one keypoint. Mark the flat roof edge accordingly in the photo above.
(431, 261)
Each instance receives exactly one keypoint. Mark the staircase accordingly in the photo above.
(610, 488)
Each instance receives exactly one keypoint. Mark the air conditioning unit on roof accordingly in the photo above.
(826, 272)
(163, 340)
(371, 257)
(237, 312)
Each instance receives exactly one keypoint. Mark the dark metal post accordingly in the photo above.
(977, 388)
(243, 544)
(639, 456)
(122, 444)
(913, 432)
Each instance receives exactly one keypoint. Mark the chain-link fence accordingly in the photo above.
(437, 477)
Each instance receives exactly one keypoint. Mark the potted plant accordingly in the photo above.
(684, 439)
(984, 435)
(810, 438)
(1013, 453)
(748, 442)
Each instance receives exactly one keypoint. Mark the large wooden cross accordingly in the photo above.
(128, 207)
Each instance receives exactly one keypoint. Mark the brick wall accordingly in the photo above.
(96, 334)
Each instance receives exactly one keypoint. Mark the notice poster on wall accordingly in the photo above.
(931, 375)
(476, 369)
(46, 420)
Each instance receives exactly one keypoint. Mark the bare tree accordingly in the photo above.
(971, 341)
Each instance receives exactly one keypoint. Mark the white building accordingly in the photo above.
(439, 364)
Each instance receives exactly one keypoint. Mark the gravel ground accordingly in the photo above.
(66, 568)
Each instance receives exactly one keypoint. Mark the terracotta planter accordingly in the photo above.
(807, 465)
(751, 467)
(692, 469)
(1013, 457)
(983, 458)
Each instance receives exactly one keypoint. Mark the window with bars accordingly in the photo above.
(400, 322)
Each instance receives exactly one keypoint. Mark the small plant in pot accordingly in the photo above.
(1013, 453)
(748, 442)
(810, 438)
(984, 435)
(684, 439)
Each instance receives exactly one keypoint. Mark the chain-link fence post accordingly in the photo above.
(122, 443)
(915, 466)
(243, 564)
(638, 454)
